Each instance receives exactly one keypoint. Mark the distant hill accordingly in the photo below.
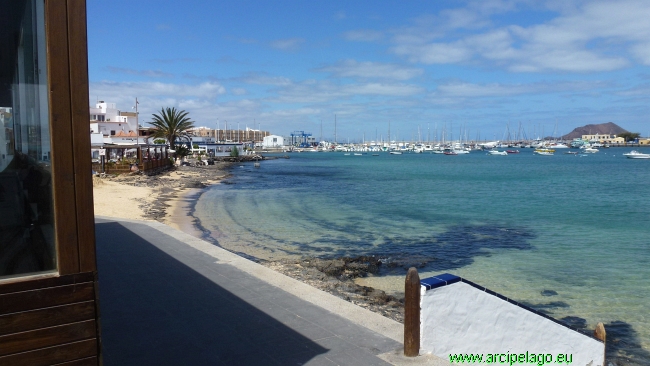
(601, 129)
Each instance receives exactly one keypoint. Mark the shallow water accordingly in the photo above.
(523, 225)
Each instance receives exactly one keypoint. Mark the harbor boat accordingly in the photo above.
(375, 154)
(358, 154)
(558, 145)
(512, 151)
(590, 150)
(450, 152)
(571, 152)
(636, 155)
(346, 154)
(396, 152)
(545, 152)
(496, 152)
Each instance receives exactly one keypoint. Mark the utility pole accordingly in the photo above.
(137, 124)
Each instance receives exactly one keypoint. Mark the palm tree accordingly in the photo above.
(171, 124)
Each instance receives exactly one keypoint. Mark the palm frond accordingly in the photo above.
(171, 124)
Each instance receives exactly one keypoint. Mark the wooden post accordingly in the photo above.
(600, 333)
(412, 313)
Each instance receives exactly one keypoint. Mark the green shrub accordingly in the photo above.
(234, 152)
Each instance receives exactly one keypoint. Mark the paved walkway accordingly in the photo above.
(167, 298)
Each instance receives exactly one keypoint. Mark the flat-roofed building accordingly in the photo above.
(604, 138)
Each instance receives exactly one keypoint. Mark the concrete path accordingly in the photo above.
(167, 298)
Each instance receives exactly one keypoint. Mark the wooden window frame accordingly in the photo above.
(68, 100)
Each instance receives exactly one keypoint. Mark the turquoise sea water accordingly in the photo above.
(569, 235)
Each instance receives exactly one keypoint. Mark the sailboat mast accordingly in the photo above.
(389, 132)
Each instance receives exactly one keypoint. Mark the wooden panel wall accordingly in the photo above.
(49, 321)
(55, 320)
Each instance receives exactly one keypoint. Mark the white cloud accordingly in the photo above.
(435, 53)
(472, 90)
(400, 90)
(154, 95)
(262, 79)
(203, 90)
(289, 44)
(312, 91)
(149, 73)
(589, 37)
(371, 70)
(363, 35)
(238, 91)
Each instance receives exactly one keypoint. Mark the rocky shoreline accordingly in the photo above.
(337, 275)
(333, 275)
(170, 184)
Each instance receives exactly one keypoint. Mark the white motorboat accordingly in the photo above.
(590, 150)
(496, 152)
(396, 152)
(636, 155)
(558, 145)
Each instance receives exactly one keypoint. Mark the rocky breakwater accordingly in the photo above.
(337, 275)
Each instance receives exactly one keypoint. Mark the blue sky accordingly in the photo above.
(480, 67)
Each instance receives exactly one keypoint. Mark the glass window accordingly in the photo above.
(26, 209)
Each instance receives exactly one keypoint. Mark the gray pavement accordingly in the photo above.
(167, 298)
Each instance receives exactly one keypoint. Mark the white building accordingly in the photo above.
(273, 141)
(108, 125)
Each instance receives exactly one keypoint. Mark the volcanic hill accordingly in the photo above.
(609, 128)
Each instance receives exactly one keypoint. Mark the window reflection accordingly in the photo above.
(26, 209)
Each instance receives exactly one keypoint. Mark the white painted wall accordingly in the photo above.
(459, 318)
(96, 139)
(273, 141)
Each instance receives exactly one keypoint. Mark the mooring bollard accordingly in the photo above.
(412, 313)
(600, 333)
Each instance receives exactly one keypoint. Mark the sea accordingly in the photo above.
(568, 235)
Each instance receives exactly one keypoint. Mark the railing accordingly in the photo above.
(155, 164)
(122, 168)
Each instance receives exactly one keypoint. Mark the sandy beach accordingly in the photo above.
(116, 199)
(168, 197)
(165, 197)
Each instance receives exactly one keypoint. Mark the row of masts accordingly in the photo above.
(447, 134)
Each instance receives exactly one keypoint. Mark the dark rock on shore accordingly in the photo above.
(345, 268)
(337, 275)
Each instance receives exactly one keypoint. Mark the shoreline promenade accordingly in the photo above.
(168, 298)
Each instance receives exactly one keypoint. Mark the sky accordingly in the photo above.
(413, 69)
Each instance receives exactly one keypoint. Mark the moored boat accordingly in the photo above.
(545, 152)
(496, 152)
(512, 151)
(636, 155)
